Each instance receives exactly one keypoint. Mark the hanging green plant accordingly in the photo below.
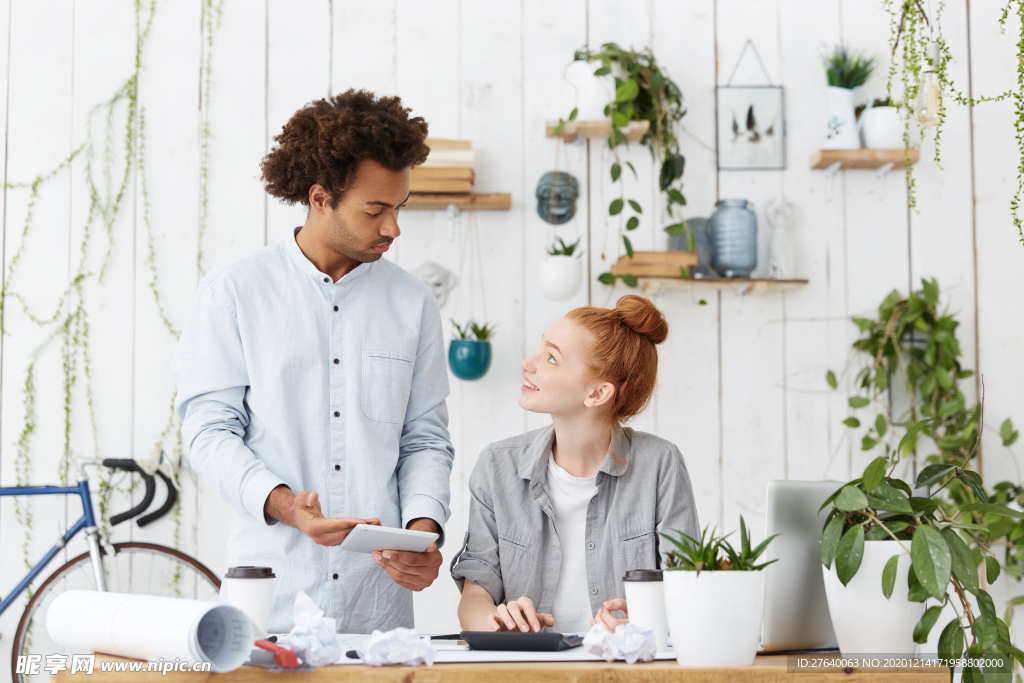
(643, 92)
(923, 73)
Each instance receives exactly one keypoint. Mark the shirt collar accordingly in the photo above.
(306, 266)
(535, 460)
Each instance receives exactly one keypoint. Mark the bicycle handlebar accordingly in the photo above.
(129, 465)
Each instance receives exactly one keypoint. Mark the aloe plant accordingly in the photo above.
(715, 553)
(472, 331)
(563, 249)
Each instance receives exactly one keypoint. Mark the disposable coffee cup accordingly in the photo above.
(249, 589)
(645, 601)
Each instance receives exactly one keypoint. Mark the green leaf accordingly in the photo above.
(632, 169)
(986, 631)
(632, 223)
(830, 377)
(858, 401)
(880, 425)
(691, 242)
(973, 479)
(849, 553)
(628, 91)
(885, 497)
(951, 640)
(992, 570)
(629, 280)
(909, 440)
(931, 291)
(636, 207)
(864, 324)
(933, 474)
(684, 273)
(924, 627)
(1007, 432)
(615, 208)
(676, 229)
(986, 604)
(620, 119)
(558, 128)
(676, 197)
(867, 443)
(917, 593)
(629, 246)
(572, 114)
(875, 473)
(616, 171)
(944, 378)
(603, 71)
(606, 279)
(932, 560)
(889, 576)
(830, 540)
(964, 566)
(851, 498)
(882, 380)
(852, 422)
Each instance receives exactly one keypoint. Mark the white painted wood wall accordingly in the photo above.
(742, 382)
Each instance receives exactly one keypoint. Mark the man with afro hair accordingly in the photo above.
(312, 380)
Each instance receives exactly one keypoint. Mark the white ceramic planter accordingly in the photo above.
(866, 622)
(882, 128)
(843, 128)
(714, 618)
(560, 277)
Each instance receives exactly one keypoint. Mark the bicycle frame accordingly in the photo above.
(86, 522)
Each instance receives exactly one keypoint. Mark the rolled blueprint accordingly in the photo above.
(149, 627)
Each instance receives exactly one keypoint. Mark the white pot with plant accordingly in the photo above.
(847, 74)
(561, 274)
(590, 92)
(882, 127)
(714, 599)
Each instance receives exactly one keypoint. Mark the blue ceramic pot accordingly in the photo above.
(734, 238)
(469, 359)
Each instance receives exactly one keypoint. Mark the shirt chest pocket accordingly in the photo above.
(640, 550)
(385, 382)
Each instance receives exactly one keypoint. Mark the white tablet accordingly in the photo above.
(366, 538)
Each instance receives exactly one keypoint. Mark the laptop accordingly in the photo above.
(796, 613)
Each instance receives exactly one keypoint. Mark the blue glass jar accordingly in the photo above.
(734, 236)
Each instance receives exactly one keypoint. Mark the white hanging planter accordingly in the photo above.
(865, 621)
(714, 617)
(882, 128)
(560, 277)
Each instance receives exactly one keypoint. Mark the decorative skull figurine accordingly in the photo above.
(439, 279)
(556, 197)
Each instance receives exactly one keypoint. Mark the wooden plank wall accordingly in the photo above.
(742, 380)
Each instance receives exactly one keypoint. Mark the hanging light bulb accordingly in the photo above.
(929, 91)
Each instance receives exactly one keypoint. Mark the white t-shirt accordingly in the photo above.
(570, 497)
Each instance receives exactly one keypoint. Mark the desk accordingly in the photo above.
(768, 669)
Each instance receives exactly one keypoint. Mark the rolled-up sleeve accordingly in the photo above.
(211, 378)
(478, 560)
(425, 451)
(676, 508)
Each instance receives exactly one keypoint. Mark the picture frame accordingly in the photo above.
(750, 122)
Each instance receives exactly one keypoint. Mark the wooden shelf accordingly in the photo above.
(597, 129)
(654, 263)
(863, 158)
(742, 286)
(493, 201)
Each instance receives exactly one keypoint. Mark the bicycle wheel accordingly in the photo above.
(140, 568)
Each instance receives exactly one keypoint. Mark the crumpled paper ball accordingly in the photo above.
(630, 642)
(397, 646)
(313, 637)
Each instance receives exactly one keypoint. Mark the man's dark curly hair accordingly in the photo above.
(325, 141)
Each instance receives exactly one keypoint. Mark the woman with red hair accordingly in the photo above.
(558, 515)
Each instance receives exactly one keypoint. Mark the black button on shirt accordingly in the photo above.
(335, 309)
(327, 279)
(334, 576)
(337, 414)
(337, 467)
(336, 361)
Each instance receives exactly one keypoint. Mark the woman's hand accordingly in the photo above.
(519, 615)
(604, 615)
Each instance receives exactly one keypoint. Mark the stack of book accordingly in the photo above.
(448, 169)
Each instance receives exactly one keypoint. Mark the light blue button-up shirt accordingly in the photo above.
(286, 377)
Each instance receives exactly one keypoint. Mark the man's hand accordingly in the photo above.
(414, 571)
(302, 511)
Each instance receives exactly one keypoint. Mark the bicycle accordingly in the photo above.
(133, 567)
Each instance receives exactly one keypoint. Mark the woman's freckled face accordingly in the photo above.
(557, 374)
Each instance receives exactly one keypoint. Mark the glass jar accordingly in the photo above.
(734, 236)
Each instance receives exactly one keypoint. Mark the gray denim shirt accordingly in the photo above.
(512, 548)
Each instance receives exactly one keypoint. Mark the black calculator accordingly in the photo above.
(516, 641)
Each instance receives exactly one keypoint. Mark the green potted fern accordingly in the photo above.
(714, 598)
(469, 354)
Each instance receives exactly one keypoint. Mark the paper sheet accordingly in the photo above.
(151, 628)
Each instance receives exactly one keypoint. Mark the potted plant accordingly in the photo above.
(561, 273)
(469, 355)
(881, 126)
(846, 73)
(642, 91)
(714, 599)
(937, 543)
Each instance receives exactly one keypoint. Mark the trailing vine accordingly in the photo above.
(211, 23)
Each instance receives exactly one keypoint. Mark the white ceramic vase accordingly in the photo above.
(714, 618)
(589, 94)
(843, 129)
(865, 622)
(882, 128)
(560, 277)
